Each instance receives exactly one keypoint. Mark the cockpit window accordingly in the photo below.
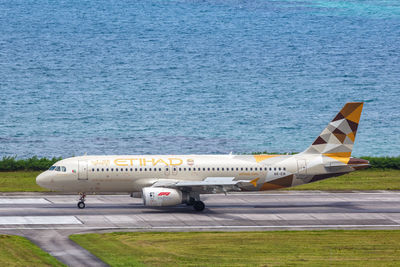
(63, 169)
(58, 168)
(52, 168)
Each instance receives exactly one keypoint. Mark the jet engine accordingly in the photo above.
(160, 196)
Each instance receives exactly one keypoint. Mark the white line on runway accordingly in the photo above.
(6, 220)
(318, 193)
(212, 227)
(24, 201)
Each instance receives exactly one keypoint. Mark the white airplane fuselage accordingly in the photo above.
(166, 180)
(130, 173)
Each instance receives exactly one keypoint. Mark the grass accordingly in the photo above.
(278, 248)
(372, 179)
(19, 251)
(21, 181)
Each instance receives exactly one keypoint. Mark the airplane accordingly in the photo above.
(169, 180)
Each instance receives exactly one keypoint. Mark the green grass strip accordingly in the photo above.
(373, 179)
(19, 251)
(274, 248)
(22, 181)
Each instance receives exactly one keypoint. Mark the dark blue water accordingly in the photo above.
(116, 77)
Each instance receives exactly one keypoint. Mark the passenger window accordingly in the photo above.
(217, 169)
(145, 169)
(237, 169)
(222, 169)
(116, 169)
(184, 169)
(284, 168)
(213, 169)
(204, 169)
(279, 168)
(98, 169)
(112, 169)
(166, 169)
(159, 169)
(246, 169)
(135, 169)
(241, 169)
(274, 169)
(107, 169)
(256, 169)
(208, 169)
(93, 170)
(180, 169)
(149, 169)
(270, 169)
(102, 169)
(265, 168)
(174, 169)
(126, 169)
(131, 169)
(188, 169)
(251, 169)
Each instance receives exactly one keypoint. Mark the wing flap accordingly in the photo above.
(210, 183)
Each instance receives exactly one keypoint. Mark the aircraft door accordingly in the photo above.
(82, 170)
(301, 168)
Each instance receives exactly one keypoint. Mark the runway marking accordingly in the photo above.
(211, 227)
(24, 201)
(318, 193)
(6, 220)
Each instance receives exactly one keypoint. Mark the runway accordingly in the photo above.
(49, 219)
(277, 210)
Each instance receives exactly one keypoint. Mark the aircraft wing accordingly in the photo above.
(208, 185)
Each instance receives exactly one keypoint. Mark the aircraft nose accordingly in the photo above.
(43, 179)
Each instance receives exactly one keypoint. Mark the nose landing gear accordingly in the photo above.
(81, 203)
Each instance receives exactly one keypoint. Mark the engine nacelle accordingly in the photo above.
(159, 196)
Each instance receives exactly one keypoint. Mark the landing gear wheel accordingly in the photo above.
(191, 202)
(199, 206)
(81, 204)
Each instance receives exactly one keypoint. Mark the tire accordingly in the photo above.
(81, 205)
(190, 202)
(199, 206)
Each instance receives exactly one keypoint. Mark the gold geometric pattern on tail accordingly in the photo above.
(337, 139)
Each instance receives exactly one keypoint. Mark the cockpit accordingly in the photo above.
(58, 168)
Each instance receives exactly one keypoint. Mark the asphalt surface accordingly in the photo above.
(48, 219)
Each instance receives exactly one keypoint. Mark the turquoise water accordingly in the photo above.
(133, 77)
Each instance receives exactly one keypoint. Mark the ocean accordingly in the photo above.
(195, 77)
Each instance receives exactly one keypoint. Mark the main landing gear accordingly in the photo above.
(81, 203)
(198, 205)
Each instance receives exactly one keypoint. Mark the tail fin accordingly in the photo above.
(337, 139)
